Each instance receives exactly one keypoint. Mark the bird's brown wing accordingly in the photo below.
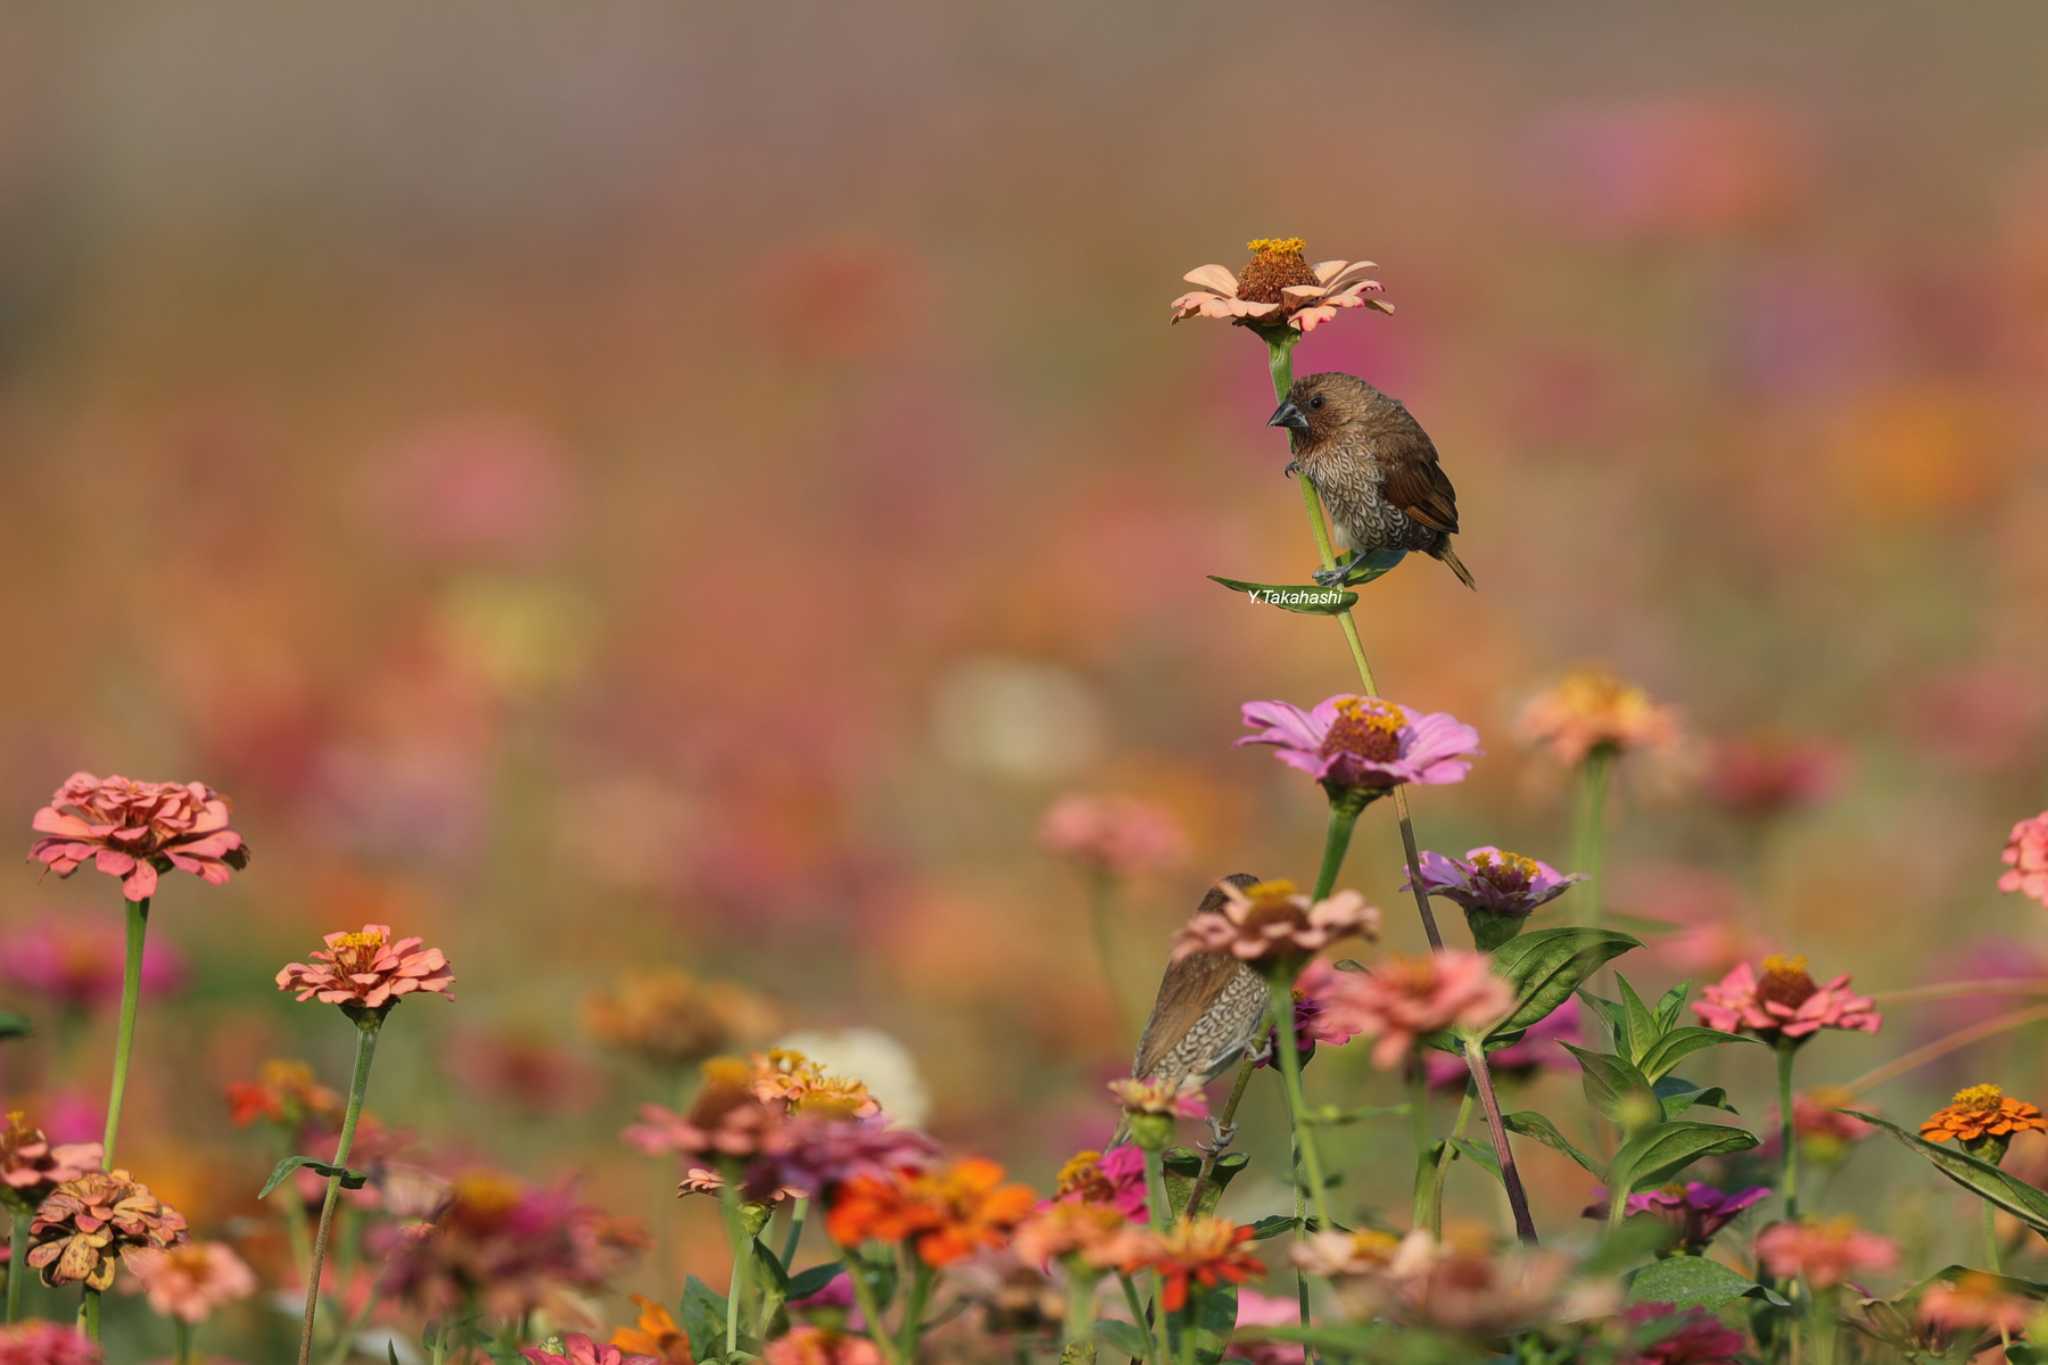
(1415, 483)
(1190, 986)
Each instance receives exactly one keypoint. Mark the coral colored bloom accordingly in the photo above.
(1272, 919)
(1691, 1336)
(1364, 744)
(1464, 1287)
(2026, 859)
(1983, 1116)
(726, 1119)
(285, 1093)
(77, 964)
(698, 1180)
(1156, 1096)
(368, 970)
(656, 1336)
(1696, 1210)
(191, 1281)
(1202, 1251)
(820, 1346)
(1490, 879)
(1535, 1051)
(1119, 835)
(1279, 288)
(578, 1349)
(1591, 711)
(1823, 1130)
(1404, 998)
(1974, 1302)
(31, 1166)
(1824, 1254)
(946, 1214)
(671, 1018)
(1095, 1232)
(137, 830)
(1783, 1001)
(1332, 1253)
(88, 1226)
(46, 1343)
(1762, 775)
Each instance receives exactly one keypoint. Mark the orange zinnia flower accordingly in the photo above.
(947, 1214)
(1205, 1250)
(1983, 1112)
(656, 1334)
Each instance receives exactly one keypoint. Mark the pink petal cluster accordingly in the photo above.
(1272, 919)
(1784, 1001)
(1697, 1337)
(1974, 1302)
(1265, 1310)
(1119, 835)
(820, 1346)
(1279, 287)
(31, 1166)
(1368, 744)
(46, 1343)
(193, 1280)
(1405, 998)
(134, 830)
(578, 1349)
(368, 970)
(1823, 1254)
(78, 963)
(1762, 775)
(1155, 1096)
(2026, 859)
(1591, 710)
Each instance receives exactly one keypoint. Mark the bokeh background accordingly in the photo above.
(611, 485)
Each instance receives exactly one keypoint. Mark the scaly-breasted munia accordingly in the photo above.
(1211, 1010)
(1376, 470)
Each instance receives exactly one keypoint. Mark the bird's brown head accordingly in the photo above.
(1319, 406)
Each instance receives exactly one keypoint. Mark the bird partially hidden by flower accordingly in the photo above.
(577, 1349)
(1278, 288)
(86, 1227)
(1783, 1001)
(1496, 889)
(944, 1215)
(1360, 748)
(670, 1018)
(368, 971)
(1592, 712)
(1274, 924)
(2026, 859)
(1982, 1120)
(1195, 1251)
(192, 1280)
(656, 1336)
(1159, 1097)
(1823, 1253)
(1404, 999)
(31, 1166)
(137, 830)
(1120, 836)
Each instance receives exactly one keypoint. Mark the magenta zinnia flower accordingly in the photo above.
(1272, 920)
(1697, 1210)
(2026, 858)
(46, 1343)
(1691, 1336)
(135, 830)
(1497, 890)
(1364, 744)
(1405, 998)
(1784, 1002)
(77, 963)
(368, 970)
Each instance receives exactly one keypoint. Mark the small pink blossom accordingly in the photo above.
(1113, 834)
(46, 1343)
(77, 963)
(136, 830)
(1364, 744)
(31, 1166)
(820, 1346)
(1265, 1310)
(2026, 859)
(1405, 998)
(1154, 1096)
(1784, 1001)
(193, 1280)
(368, 970)
(578, 1349)
(1272, 919)
(1824, 1254)
(1763, 775)
(1591, 711)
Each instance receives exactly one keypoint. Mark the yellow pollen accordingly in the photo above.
(1374, 1243)
(485, 1192)
(1506, 864)
(1273, 895)
(727, 1072)
(1777, 965)
(1979, 1097)
(362, 940)
(1277, 246)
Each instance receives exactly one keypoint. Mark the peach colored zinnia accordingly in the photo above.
(1591, 711)
(88, 1226)
(1975, 1301)
(191, 1281)
(368, 970)
(672, 1019)
(1274, 920)
(820, 1346)
(136, 830)
(31, 1166)
(1279, 288)
(1784, 1001)
(1119, 835)
(1403, 999)
(2026, 859)
(1824, 1254)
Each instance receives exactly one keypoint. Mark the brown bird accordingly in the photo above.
(1376, 470)
(1211, 1010)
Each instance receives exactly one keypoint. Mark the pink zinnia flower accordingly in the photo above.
(1313, 1023)
(1364, 744)
(814, 1152)
(726, 1118)
(820, 1346)
(1697, 1210)
(1824, 1254)
(1590, 710)
(78, 963)
(31, 1166)
(1265, 1310)
(1763, 775)
(1536, 1050)
(1272, 919)
(46, 1343)
(1820, 1125)
(578, 1349)
(1153, 1096)
(1491, 879)
(1115, 834)
(192, 1280)
(1691, 1336)
(1404, 998)
(136, 830)
(1974, 1302)
(368, 970)
(1279, 288)
(1784, 1002)
(2026, 857)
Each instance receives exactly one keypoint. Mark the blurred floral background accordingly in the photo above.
(636, 486)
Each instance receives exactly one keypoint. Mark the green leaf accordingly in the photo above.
(1124, 1338)
(1272, 1225)
(1184, 1164)
(1676, 1095)
(1547, 966)
(15, 1025)
(1671, 1007)
(1614, 1087)
(1690, 1282)
(1212, 1321)
(771, 1283)
(350, 1180)
(805, 1283)
(1309, 599)
(1981, 1178)
(703, 1315)
(1482, 1156)
(1674, 1047)
(1642, 1029)
(391, 1352)
(1529, 1123)
(1330, 1115)
(1661, 1152)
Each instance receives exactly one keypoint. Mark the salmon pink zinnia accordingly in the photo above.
(1364, 745)
(1783, 1001)
(1403, 999)
(1279, 288)
(136, 830)
(368, 970)
(1269, 920)
(190, 1281)
(2026, 859)
(1824, 1254)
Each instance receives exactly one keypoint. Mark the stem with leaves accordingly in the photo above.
(1161, 1210)
(368, 1024)
(857, 1272)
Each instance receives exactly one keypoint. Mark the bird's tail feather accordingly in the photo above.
(1457, 565)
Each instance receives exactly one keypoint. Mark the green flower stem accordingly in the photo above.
(741, 1242)
(89, 1315)
(921, 1279)
(870, 1309)
(797, 1212)
(1161, 1209)
(1429, 1197)
(1137, 1308)
(1079, 1324)
(17, 1263)
(1280, 1009)
(298, 1231)
(1510, 1176)
(1788, 1137)
(124, 1041)
(183, 1336)
(367, 1027)
(1994, 1258)
(1224, 1119)
(1589, 832)
(1336, 843)
(1821, 1326)
(1102, 918)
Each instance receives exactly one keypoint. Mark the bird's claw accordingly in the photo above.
(1221, 1136)
(1293, 468)
(1332, 578)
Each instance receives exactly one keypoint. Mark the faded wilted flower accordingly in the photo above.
(1784, 1001)
(136, 830)
(672, 1019)
(1824, 1254)
(1983, 1119)
(2026, 859)
(1464, 1286)
(89, 1225)
(1120, 835)
(1404, 998)
(46, 1343)
(808, 1345)
(790, 1080)
(1274, 921)
(368, 971)
(945, 1214)
(1591, 711)
(1364, 746)
(1279, 288)
(1202, 1251)
(192, 1280)
(31, 1166)
(726, 1119)
(77, 964)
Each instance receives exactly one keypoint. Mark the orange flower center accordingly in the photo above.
(1508, 872)
(1367, 727)
(355, 952)
(484, 1196)
(1785, 982)
(1270, 901)
(1276, 263)
(1983, 1099)
(1083, 1175)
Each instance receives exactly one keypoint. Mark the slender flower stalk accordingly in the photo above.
(741, 1242)
(1161, 1210)
(1788, 1136)
(922, 1277)
(367, 1027)
(871, 1307)
(795, 1236)
(1429, 1193)
(1102, 889)
(17, 1263)
(1589, 832)
(1280, 1012)
(124, 1040)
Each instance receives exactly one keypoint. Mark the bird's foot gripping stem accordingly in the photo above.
(1221, 1136)
(1334, 577)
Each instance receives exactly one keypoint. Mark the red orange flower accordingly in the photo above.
(368, 970)
(946, 1214)
(136, 830)
(1096, 1232)
(1202, 1251)
(284, 1092)
(820, 1346)
(656, 1336)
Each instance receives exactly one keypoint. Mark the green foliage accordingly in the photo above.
(703, 1315)
(1981, 1178)
(14, 1025)
(1123, 1338)
(1529, 1123)
(1693, 1282)
(1616, 1088)
(1546, 966)
(1183, 1165)
(350, 1180)
(1308, 599)
(1657, 1153)
(805, 1283)
(1211, 1319)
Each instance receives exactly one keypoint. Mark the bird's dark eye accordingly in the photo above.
(1316, 401)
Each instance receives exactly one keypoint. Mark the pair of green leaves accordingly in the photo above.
(702, 1315)
(1313, 599)
(350, 1180)
(1544, 967)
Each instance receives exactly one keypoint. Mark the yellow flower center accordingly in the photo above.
(727, 1073)
(1276, 263)
(1507, 871)
(1982, 1098)
(1373, 1245)
(485, 1194)
(1785, 981)
(366, 939)
(1367, 727)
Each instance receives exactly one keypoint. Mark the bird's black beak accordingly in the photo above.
(1288, 415)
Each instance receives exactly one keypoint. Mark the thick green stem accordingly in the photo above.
(741, 1243)
(89, 1315)
(1821, 1323)
(1510, 1176)
(1079, 1325)
(795, 1236)
(921, 1278)
(124, 1040)
(1429, 1197)
(1589, 834)
(1137, 1308)
(1161, 1209)
(367, 1028)
(1102, 919)
(870, 1309)
(1788, 1134)
(1337, 842)
(17, 1263)
(183, 1335)
(1280, 1009)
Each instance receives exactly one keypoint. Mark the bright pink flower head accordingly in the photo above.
(1536, 1050)
(368, 970)
(1405, 998)
(1764, 775)
(1824, 1254)
(1784, 1001)
(1364, 744)
(1273, 920)
(46, 1343)
(136, 830)
(1691, 1336)
(31, 1166)
(820, 1346)
(1114, 834)
(1697, 1211)
(578, 1349)
(1493, 880)
(1313, 1023)
(1265, 1310)
(77, 963)
(191, 1281)
(2026, 859)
